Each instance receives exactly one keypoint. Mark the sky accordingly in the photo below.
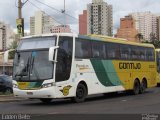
(121, 8)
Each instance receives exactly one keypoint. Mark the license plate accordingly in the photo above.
(29, 93)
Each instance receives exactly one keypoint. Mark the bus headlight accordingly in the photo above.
(15, 86)
(47, 85)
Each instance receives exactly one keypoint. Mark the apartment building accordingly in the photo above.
(6, 36)
(41, 23)
(99, 18)
(146, 24)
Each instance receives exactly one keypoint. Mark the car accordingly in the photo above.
(6, 84)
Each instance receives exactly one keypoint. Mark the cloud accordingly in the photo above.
(121, 8)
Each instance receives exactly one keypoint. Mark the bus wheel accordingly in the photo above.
(46, 100)
(136, 87)
(81, 93)
(143, 86)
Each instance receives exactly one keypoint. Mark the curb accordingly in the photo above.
(10, 98)
(6, 96)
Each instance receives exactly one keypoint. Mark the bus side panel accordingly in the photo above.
(153, 74)
(123, 73)
(158, 78)
(128, 71)
(107, 77)
(84, 72)
(102, 76)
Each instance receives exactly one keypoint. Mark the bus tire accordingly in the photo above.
(158, 84)
(136, 87)
(46, 100)
(81, 93)
(143, 86)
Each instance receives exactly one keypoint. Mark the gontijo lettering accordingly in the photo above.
(123, 65)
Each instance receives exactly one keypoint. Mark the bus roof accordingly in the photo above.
(93, 37)
(114, 40)
(158, 49)
(51, 34)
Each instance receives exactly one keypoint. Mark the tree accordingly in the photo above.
(153, 36)
(156, 43)
(139, 36)
(13, 45)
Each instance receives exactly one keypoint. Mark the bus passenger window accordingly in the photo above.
(112, 51)
(82, 49)
(150, 55)
(134, 53)
(98, 50)
(125, 52)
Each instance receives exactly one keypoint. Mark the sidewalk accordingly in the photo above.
(9, 98)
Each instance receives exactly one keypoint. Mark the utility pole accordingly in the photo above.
(3, 45)
(63, 11)
(20, 20)
(19, 9)
(64, 17)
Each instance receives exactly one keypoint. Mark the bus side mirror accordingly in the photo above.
(52, 52)
(6, 56)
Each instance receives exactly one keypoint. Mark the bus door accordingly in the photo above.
(64, 63)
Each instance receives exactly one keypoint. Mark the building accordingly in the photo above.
(61, 29)
(32, 25)
(127, 29)
(146, 24)
(6, 36)
(6, 68)
(41, 23)
(158, 27)
(99, 18)
(83, 23)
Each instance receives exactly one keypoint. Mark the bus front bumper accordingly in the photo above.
(40, 93)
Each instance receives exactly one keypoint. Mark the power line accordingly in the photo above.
(85, 22)
(41, 10)
(56, 9)
(23, 3)
(61, 12)
(46, 13)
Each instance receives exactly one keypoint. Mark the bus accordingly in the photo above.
(67, 65)
(158, 66)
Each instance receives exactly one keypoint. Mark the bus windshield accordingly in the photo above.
(36, 43)
(31, 60)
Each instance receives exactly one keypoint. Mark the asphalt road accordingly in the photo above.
(149, 102)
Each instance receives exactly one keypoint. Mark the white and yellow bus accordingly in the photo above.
(67, 65)
(158, 66)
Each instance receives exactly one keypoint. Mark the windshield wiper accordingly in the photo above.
(31, 65)
(31, 68)
(22, 74)
(24, 71)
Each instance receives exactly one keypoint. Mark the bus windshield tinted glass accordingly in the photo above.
(32, 66)
(36, 43)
